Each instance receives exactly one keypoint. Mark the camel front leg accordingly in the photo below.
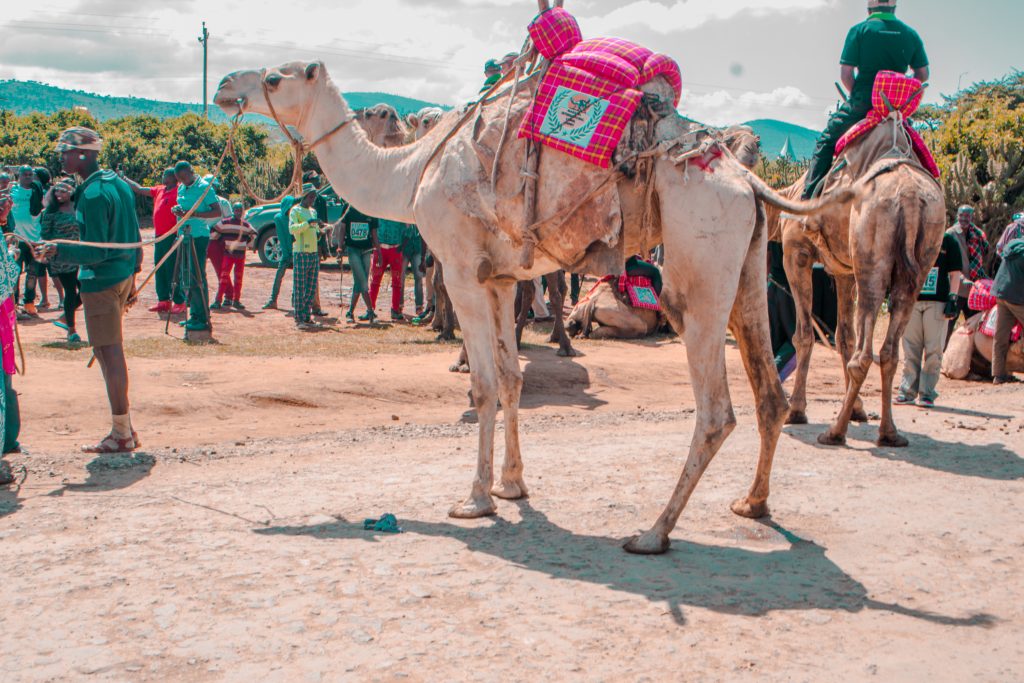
(511, 486)
(556, 293)
(750, 326)
(525, 292)
(478, 311)
(798, 260)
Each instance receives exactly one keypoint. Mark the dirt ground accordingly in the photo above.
(232, 547)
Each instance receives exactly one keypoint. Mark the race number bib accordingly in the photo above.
(931, 284)
(359, 231)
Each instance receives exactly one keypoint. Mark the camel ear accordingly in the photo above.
(312, 69)
(412, 120)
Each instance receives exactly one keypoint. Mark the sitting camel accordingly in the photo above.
(610, 309)
(969, 353)
(706, 215)
(883, 245)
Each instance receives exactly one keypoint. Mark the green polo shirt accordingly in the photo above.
(390, 232)
(105, 210)
(188, 195)
(882, 43)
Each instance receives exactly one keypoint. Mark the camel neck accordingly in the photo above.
(377, 181)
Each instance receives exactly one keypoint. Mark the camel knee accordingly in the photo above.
(859, 365)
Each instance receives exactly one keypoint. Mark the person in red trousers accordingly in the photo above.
(234, 235)
(389, 257)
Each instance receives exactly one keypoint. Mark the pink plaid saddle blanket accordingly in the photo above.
(904, 94)
(591, 90)
(991, 319)
(637, 288)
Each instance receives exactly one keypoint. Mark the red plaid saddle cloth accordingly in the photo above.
(980, 298)
(904, 94)
(591, 90)
(640, 291)
(991, 319)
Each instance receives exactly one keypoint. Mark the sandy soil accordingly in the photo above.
(233, 549)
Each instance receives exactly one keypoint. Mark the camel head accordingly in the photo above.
(293, 89)
(545, 5)
(744, 143)
(423, 121)
(383, 125)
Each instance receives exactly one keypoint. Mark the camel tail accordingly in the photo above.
(908, 234)
(797, 207)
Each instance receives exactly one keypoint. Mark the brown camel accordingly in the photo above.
(885, 243)
(708, 219)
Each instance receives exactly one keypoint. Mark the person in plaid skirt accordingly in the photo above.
(304, 226)
(973, 250)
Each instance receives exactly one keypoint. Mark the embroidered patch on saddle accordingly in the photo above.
(640, 291)
(573, 116)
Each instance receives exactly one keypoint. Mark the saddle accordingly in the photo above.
(592, 89)
(894, 93)
(598, 101)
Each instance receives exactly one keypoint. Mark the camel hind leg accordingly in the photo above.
(750, 326)
(869, 301)
(902, 298)
(698, 306)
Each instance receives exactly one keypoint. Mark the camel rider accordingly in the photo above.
(881, 43)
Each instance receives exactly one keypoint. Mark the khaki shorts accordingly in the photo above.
(104, 312)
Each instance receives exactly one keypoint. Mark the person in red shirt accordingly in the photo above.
(235, 235)
(164, 196)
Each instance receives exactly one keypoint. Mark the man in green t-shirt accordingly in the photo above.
(194, 191)
(925, 335)
(105, 209)
(882, 43)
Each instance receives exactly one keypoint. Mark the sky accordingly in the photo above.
(741, 59)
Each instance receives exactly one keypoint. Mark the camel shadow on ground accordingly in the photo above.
(550, 380)
(111, 473)
(991, 461)
(728, 580)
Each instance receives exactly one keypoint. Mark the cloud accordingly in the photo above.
(685, 15)
(722, 108)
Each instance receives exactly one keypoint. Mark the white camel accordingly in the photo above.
(709, 221)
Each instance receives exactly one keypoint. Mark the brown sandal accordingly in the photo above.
(112, 444)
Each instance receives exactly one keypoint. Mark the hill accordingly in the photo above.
(773, 136)
(29, 97)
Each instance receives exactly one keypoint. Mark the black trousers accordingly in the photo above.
(838, 125)
(72, 297)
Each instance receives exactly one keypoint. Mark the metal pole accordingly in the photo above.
(204, 39)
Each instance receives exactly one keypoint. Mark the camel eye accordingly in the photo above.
(274, 80)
